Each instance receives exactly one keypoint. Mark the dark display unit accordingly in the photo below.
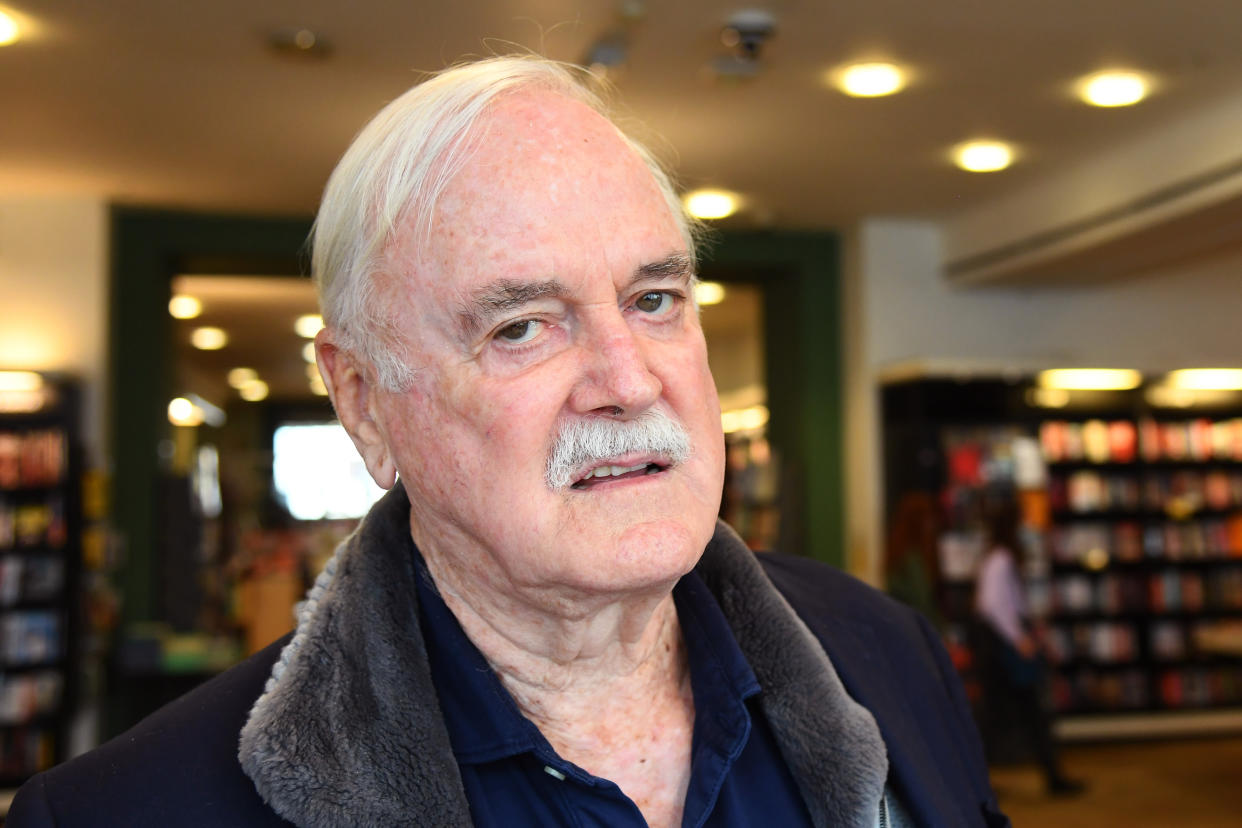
(40, 551)
(1133, 536)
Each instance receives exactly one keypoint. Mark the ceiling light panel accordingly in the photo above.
(1090, 379)
(1206, 379)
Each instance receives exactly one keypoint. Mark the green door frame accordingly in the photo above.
(800, 275)
(149, 247)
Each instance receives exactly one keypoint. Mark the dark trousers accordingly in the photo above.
(1014, 717)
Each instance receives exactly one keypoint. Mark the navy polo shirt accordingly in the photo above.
(513, 777)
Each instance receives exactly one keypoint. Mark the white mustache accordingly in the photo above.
(591, 440)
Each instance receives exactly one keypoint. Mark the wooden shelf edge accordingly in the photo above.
(1161, 725)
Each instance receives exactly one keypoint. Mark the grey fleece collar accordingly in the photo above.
(348, 731)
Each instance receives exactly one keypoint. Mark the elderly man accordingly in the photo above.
(542, 623)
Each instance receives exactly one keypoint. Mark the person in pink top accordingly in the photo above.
(1010, 656)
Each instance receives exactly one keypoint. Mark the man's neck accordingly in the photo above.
(607, 682)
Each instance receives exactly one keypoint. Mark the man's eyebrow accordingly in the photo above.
(675, 266)
(503, 295)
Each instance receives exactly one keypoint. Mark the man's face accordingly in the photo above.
(555, 287)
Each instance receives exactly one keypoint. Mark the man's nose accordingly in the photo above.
(617, 377)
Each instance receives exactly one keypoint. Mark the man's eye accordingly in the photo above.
(654, 302)
(518, 332)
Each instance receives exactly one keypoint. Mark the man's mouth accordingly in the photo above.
(602, 474)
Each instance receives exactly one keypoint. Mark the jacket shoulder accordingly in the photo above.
(892, 661)
(178, 766)
(819, 592)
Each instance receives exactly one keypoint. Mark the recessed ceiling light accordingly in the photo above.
(240, 376)
(983, 156)
(870, 80)
(209, 338)
(308, 325)
(1206, 379)
(184, 307)
(1113, 88)
(708, 293)
(1090, 379)
(253, 391)
(712, 204)
(308, 352)
(182, 412)
(9, 30)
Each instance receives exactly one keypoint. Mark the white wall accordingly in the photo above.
(901, 310)
(54, 284)
(1170, 319)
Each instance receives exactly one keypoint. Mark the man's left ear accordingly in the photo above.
(353, 396)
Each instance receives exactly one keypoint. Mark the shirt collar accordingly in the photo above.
(483, 721)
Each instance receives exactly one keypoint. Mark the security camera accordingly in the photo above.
(747, 30)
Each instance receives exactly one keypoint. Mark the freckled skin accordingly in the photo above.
(567, 593)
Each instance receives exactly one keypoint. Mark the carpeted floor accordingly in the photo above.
(1196, 783)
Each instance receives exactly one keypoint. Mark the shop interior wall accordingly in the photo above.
(53, 311)
(901, 310)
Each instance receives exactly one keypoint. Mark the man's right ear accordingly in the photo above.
(354, 397)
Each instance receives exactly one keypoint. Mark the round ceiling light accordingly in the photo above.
(209, 338)
(308, 325)
(983, 156)
(182, 412)
(708, 293)
(1111, 89)
(240, 376)
(712, 204)
(870, 80)
(182, 306)
(253, 391)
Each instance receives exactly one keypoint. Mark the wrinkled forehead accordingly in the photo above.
(545, 179)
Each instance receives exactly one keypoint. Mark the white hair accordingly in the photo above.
(395, 171)
(586, 441)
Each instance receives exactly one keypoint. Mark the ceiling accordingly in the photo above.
(181, 104)
(178, 104)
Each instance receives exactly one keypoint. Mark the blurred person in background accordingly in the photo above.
(1011, 661)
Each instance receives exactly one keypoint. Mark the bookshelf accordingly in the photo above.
(39, 554)
(1146, 552)
(1132, 534)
